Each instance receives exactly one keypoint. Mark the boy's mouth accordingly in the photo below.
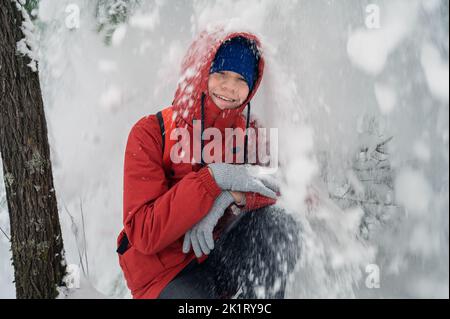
(224, 98)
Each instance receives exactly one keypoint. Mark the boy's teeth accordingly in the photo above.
(223, 98)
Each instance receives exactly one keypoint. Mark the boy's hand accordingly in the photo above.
(201, 235)
(243, 178)
(239, 197)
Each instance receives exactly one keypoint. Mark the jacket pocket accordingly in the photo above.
(139, 269)
(173, 254)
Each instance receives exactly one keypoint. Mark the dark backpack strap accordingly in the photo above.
(163, 130)
(123, 246)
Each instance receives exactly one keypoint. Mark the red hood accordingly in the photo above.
(194, 81)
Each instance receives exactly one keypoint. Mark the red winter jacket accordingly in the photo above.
(160, 203)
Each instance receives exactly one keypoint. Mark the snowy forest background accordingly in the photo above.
(362, 114)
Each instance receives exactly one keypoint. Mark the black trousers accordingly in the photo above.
(250, 261)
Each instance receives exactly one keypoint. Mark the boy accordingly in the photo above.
(171, 206)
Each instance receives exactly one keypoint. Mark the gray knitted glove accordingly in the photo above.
(201, 235)
(243, 178)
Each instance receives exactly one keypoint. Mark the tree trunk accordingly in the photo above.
(36, 241)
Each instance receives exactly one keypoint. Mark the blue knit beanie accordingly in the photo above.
(239, 55)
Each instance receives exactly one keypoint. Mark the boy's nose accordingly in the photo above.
(228, 86)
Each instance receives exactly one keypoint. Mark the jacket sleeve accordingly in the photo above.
(154, 215)
(254, 201)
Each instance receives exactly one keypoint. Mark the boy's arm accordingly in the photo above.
(154, 215)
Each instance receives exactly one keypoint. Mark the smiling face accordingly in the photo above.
(227, 89)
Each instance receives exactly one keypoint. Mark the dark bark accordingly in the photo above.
(36, 241)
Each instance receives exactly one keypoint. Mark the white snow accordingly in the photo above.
(111, 99)
(413, 191)
(78, 286)
(436, 71)
(28, 46)
(422, 151)
(7, 289)
(431, 5)
(369, 49)
(386, 98)
(145, 21)
(119, 35)
(107, 66)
